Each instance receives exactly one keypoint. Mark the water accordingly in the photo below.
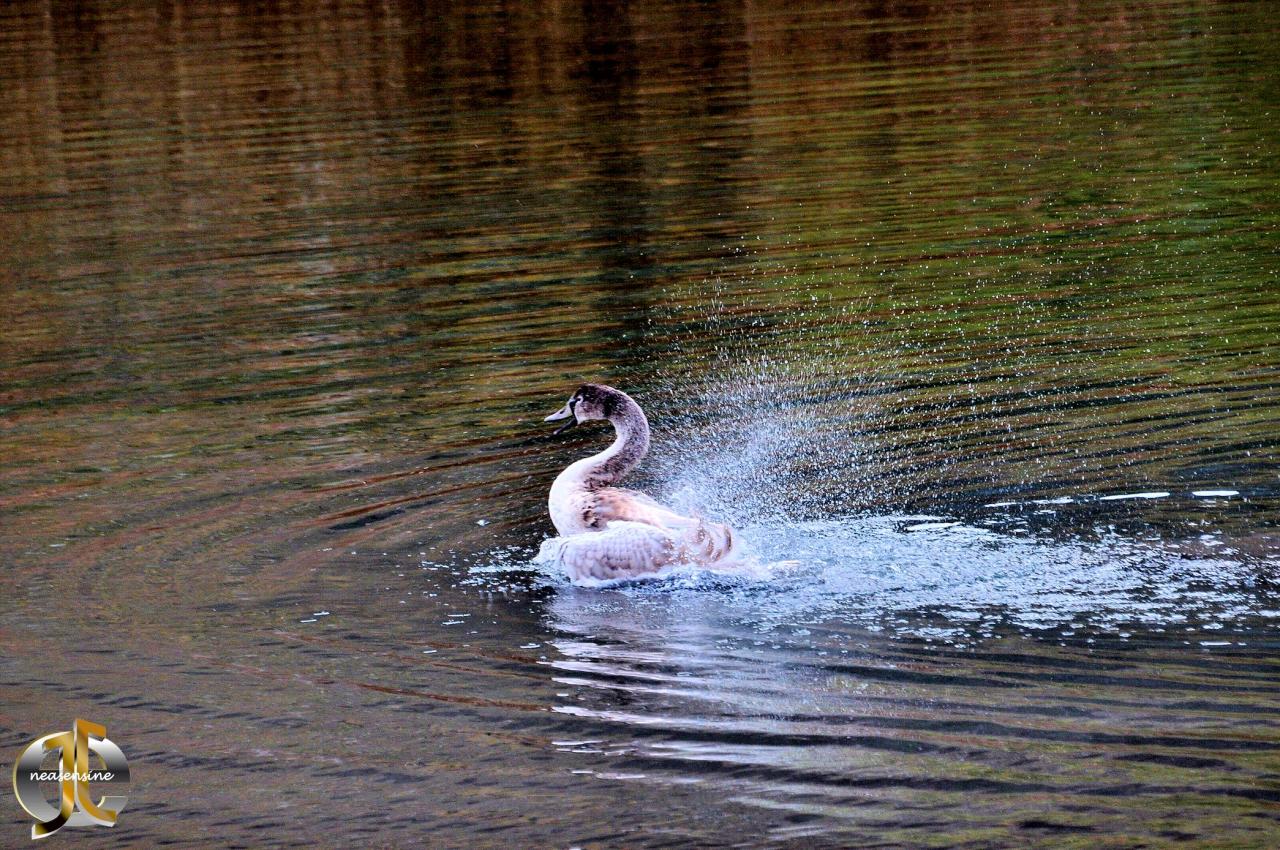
(971, 312)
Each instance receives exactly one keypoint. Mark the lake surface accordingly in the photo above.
(971, 312)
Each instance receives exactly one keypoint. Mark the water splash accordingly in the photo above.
(790, 449)
(763, 435)
(939, 578)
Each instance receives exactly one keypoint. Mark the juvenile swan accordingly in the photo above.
(609, 532)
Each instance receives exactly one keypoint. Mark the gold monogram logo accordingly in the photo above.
(73, 775)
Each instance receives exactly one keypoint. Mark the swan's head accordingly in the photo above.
(589, 401)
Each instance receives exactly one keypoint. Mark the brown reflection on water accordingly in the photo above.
(286, 287)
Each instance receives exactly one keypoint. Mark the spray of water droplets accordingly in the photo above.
(774, 425)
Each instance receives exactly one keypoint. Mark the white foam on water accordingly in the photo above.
(874, 572)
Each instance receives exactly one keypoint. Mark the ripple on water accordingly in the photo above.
(910, 663)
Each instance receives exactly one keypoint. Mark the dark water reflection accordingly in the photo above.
(912, 292)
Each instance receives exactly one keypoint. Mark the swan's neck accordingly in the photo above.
(629, 447)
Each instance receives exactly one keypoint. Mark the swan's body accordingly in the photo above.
(609, 532)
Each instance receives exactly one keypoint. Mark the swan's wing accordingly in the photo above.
(634, 495)
(616, 504)
(622, 550)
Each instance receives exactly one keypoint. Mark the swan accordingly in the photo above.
(609, 533)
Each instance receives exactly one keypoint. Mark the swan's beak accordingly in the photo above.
(565, 412)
